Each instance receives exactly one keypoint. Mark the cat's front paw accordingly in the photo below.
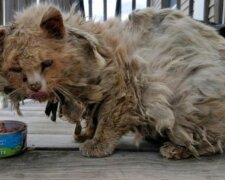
(93, 148)
(81, 137)
(84, 135)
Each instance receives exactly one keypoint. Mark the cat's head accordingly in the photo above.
(41, 53)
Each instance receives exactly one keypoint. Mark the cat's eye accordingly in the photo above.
(45, 64)
(16, 69)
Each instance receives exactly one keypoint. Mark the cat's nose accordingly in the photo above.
(35, 86)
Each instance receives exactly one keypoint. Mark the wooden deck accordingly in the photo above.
(52, 154)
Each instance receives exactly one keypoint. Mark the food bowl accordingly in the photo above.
(13, 138)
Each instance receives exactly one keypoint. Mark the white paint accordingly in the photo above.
(3, 3)
(199, 10)
(86, 9)
(174, 6)
(97, 8)
(127, 7)
(111, 8)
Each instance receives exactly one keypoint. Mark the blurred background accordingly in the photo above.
(206, 10)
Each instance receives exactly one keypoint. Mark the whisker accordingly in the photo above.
(65, 92)
(56, 95)
(15, 97)
(13, 92)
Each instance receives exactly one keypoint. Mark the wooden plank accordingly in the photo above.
(58, 141)
(186, 11)
(56, 156)
(42, 125)
(211, 15)
(185, 5)
(51, 141)
(211, 3)
(48, 127)
(43, 133)
(211, 19)
(37, 121)
(158, 4)
(211, 12)
(184, 2)
(122, 165)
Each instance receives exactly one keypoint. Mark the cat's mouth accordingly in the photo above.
(40, 96)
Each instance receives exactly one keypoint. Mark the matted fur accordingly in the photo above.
(159, 74)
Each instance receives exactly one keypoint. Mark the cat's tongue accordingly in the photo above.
(41, 96)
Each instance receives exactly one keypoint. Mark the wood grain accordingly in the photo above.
(121, 166)
(66, 142)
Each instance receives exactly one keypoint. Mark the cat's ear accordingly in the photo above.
(2, 37)
(52, 23)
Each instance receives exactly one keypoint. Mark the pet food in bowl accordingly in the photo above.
(13, 136)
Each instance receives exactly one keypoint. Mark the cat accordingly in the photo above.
(159, 74)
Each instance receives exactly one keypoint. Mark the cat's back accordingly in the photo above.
(168, 39)
(178, 51)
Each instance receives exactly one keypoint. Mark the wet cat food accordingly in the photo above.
(13, 136)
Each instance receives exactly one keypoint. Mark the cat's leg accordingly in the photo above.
(91, 123)
(185, 142)
(106, 137)
(172, 151)
(73, 112)
(87, 133)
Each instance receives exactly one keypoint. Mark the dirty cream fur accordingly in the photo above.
(159, 74)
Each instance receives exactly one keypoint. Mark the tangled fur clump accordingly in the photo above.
(160, 74)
